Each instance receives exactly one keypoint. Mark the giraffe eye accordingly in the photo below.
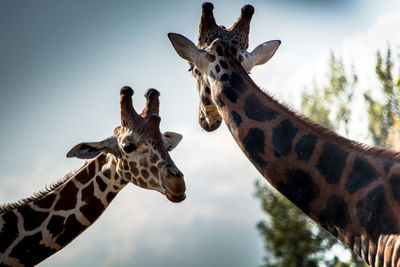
(128, 148)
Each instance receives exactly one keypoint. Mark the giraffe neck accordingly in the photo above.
(40, 226)
(349, 189)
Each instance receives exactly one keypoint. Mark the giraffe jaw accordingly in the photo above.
(174, 198)
(207, 124)
(173, 184)
(210, 127)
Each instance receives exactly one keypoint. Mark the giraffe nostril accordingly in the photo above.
(174, 173)
(179, 174)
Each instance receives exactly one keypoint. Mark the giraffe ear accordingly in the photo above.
(261, 54)
(90, 150)
(186, 49)
(264, 52)
(171, 140)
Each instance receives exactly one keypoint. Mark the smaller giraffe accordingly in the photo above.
(34, 228)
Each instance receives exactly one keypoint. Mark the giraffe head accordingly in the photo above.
(218, 51)
(139, 150)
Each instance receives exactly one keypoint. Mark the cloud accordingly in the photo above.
(290, 70)
(44, 172)
(361, 49)
(360, 52)
(328, 6)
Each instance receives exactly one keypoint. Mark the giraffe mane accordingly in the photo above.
(40, 194)
(365, 149)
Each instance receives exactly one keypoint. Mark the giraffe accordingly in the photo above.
(350, 189)
(34, 228)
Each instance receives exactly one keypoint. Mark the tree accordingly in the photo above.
(384, 117)
(291, 239)
(331, 104)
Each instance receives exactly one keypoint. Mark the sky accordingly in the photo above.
(62, 65)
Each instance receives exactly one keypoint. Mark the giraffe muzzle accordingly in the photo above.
(176, 199)
(211, 121)
(209, 127)
(174, 184)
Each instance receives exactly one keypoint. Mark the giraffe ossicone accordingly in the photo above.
(34, 228)
(350, 189)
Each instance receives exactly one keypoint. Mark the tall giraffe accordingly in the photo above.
(350, 189)
(34, 228)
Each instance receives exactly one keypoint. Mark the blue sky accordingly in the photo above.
(62, 65)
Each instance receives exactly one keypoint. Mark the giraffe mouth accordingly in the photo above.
(174, 198)
(208, 126)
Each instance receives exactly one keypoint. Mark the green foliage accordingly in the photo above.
(331, 104)
(292, 239)
(383, 116)
(312, 104)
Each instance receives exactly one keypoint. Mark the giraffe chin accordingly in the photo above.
(210, 127)
(173, 198)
